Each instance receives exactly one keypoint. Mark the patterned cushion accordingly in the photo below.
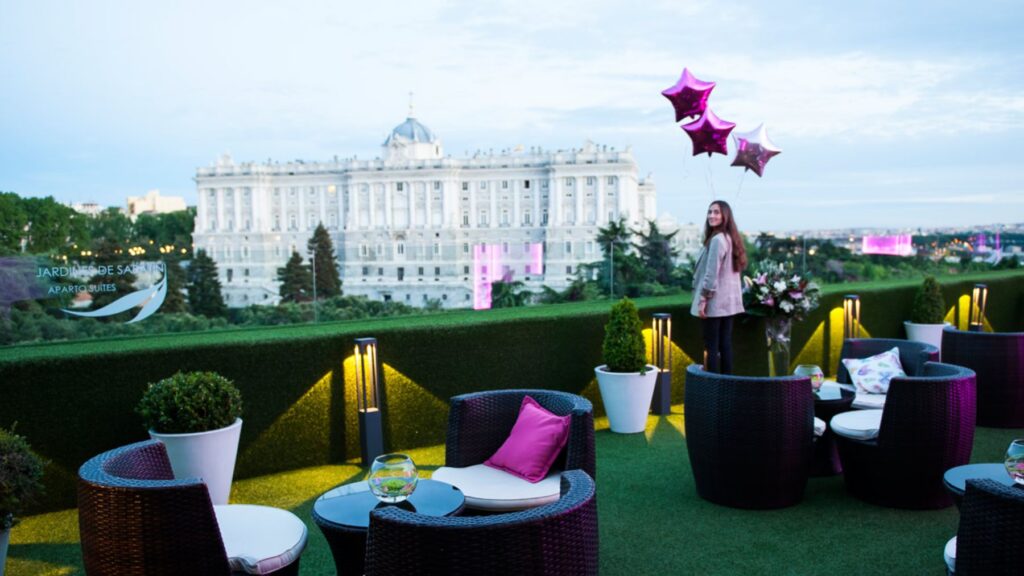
(872, 374)
(819, 426)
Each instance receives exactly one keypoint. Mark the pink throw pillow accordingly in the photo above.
(535, 442)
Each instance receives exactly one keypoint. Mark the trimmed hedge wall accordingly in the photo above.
(75, 400)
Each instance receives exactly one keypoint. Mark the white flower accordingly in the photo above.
(786, 306)
(779, 285)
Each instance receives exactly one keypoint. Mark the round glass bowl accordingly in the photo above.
(813, 372)
(392, 478)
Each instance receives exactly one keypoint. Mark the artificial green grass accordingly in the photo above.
(651, 520)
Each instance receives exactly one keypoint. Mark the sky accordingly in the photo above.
(888, 114)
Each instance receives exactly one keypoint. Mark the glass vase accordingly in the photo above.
(393, 478)
(776, 331)
(813, 372)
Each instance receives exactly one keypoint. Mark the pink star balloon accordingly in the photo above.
(754, 150)
(709, 133)
(689, 96)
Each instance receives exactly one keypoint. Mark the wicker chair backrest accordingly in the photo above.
(931, 415)
(135, 519)
(990, 540)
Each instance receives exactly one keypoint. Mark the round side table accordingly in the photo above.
(343, 515)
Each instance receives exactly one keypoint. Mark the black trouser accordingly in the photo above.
(718, 344)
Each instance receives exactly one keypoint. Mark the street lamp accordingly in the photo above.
(661, 354)
(851, 316)
(371, 432)
(979, 297)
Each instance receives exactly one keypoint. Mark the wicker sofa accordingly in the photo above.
(557, 539)
(926, 427)
(135, 519)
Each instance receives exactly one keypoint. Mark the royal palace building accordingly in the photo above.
(412, 225)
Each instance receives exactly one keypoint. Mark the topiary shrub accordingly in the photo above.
(624, 349)
(929, 306)
(20, 472)
(190, 402)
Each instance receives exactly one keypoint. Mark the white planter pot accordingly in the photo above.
(207, 455)
(5, 538)
(927, 333)
(626, 397)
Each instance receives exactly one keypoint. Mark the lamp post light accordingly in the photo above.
(371, 431)
(661, 353)
(851, 316)
(979, 297)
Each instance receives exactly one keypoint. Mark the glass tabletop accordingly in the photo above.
(350, 504)
(956, 478)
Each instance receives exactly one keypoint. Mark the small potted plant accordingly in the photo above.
(197, 415)
(625, 379)
(927, 314)
(20, 473)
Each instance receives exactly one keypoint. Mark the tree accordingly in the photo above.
(53, 227)
(175, 299)
(168, 229)
(509, 294)
(204, 295)
(13, 221)
(622, 271)
(328, 282)
(296, 280)
(657, 253)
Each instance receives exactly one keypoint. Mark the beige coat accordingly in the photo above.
(716, 280)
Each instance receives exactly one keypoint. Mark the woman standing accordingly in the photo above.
(717, 293)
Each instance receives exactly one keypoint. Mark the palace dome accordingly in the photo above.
(411, 131)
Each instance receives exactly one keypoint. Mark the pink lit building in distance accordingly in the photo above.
(899, 245)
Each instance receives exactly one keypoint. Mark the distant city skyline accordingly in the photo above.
(902, 115)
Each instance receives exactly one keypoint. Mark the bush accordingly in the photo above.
(929, 307)
(20, 473)
(190, 402)
(624, 349)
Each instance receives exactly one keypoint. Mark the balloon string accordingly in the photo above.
(711, 182)
(739, 189)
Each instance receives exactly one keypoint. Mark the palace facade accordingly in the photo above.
(406, 225)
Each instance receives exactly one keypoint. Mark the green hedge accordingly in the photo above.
(75, 400)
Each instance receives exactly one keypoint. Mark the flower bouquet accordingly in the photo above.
(776, 292)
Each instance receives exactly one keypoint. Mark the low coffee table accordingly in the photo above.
(829, 401)
(955, 479)
(343, 515)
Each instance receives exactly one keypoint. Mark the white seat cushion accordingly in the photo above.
(949, 555)
(488, 489)
(857, 424)
(260, 539)
(864, 401)
(819, 426)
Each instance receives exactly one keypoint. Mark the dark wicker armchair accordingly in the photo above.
(557, 539)
(750, 440)
(135, 519)
(913, 354)
(480, 422)
(927, 427)
(990, 540)
(998, 360)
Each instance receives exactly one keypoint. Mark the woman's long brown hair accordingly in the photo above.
(728, 227)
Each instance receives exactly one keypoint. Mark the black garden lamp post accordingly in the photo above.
(371, 431)
(979, 297)
(851, 316)
(661, 353)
